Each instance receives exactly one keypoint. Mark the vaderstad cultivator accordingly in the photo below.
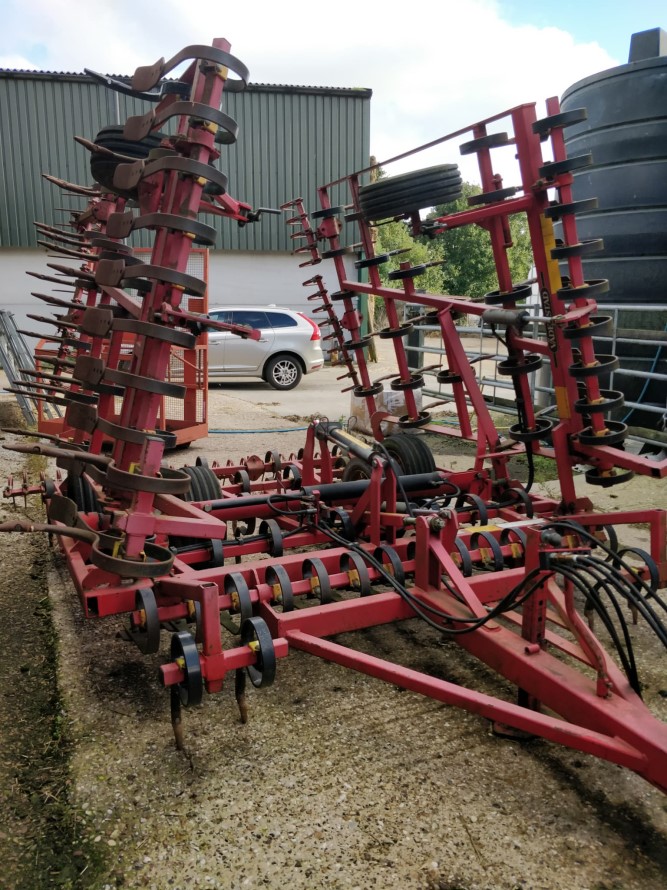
(270, 555)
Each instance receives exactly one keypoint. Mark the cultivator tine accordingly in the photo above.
(66, 252)
(100, 149)
(73, 187)
(58, 321)
(177, 719)
(58, 235)
(240, 694)
(56, 301)
(57, 362)
(69, 272)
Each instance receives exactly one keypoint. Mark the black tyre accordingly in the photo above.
(410, 191)
(83, 494)
(283, 372)
(204, 484)
(411, 453)
(103, 167)
(356, 469)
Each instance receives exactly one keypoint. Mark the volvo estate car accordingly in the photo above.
(289, 346)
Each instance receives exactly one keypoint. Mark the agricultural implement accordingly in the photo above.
(251, 559)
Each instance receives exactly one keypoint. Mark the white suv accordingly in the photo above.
(289, 346)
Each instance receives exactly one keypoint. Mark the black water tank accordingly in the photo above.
(626, 133)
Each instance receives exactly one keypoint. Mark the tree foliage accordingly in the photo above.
(396, 236)
(468, 268)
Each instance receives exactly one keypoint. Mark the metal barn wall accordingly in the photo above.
(39, 115)
(292, 139)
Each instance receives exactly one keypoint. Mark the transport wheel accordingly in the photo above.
(409, 192)
(283, 372)
(103, 167)
(204, 484)
(83, 494)
(356, 469)
(411, 453)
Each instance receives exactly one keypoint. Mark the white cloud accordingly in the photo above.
(434, 67)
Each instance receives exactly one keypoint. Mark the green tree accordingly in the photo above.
(396, 236)
(469, 268)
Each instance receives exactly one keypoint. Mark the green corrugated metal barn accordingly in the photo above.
(292, 139)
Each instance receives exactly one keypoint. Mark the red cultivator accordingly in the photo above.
(270, 555)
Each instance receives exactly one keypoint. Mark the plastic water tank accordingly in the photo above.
(626, 133)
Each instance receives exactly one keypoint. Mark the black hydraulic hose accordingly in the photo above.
(591, 596)
(511, 600)
(607, 585)
(637, 579)
(329, 492)
(625, 589)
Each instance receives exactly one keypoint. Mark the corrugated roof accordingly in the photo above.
(361, 92)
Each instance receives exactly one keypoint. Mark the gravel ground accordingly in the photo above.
(337, 780)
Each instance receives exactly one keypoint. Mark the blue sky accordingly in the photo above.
(608, 23)
(434, 66)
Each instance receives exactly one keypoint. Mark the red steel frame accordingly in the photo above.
(537, 647)
(187, 365)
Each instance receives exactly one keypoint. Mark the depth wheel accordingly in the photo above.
(184, 652)
(145, 631)
(353, 565)
(237, 589)
(356, 469)
(255, 634)
(281, 588)
(315, 572)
